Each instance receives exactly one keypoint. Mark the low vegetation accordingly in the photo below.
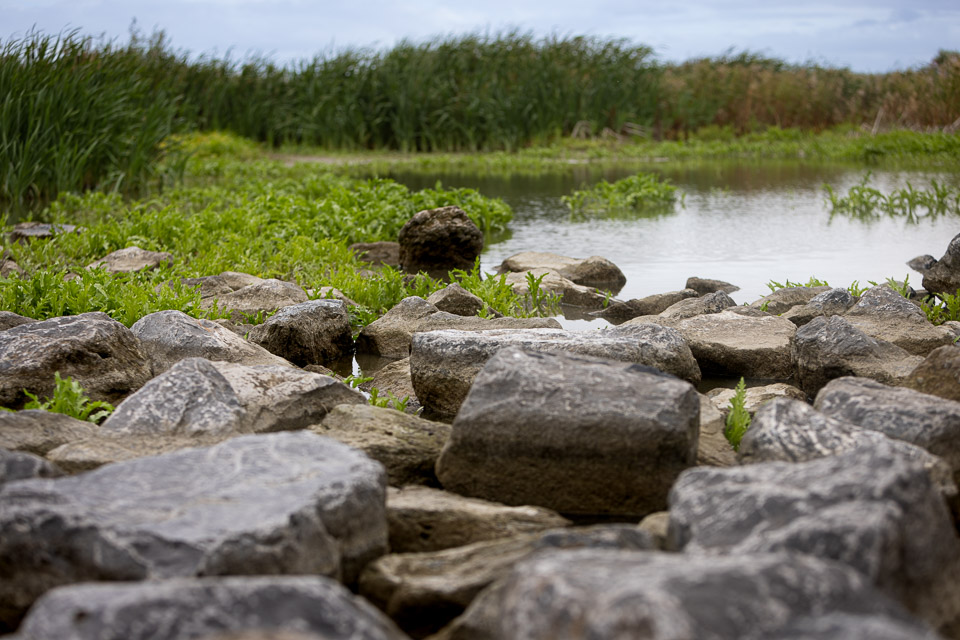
(70, 399)
(641, 194)
(867, 203)
(738, 418)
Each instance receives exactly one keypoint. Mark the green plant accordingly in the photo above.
(866, 203)
(738, 419)
(540, 302)
(391, 401)
(642, 193)
(773, 285)
(354, 381)
(69, 399)
(946, 310)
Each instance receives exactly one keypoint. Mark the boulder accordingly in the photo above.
(422, 519)
(282, 503)
(831, 347)
(24, 232)
(260, 298)
(902, 414)
(187, 608)
(713, 448)
(439, 240)
(92, 348)
(38, 432)
(726, 343)
(456, 300)
(9, 319)
(378, 253)
(395, 378)
(593, 271)
(783, 299)
(567, 291)
(756, 397)
(619, 312)
(938, 374)
(575, 434)
(443, 364)
(237, 280)
(710, 303)
(873, 509)
(313, 332)
(198, 396)
(705, 286)
(170, 336)
(922, 264)
(944, 275)
(18, 465)
(132, 259)
(834, 302)
(884, 314)
(407, 446)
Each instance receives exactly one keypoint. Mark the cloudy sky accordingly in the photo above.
(865, 35)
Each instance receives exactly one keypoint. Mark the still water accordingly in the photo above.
(745, 224)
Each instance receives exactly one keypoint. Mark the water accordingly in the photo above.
(745, 224)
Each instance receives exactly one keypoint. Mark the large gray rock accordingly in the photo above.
(456, 300)
(566, 290)
(267, 504)
(938, 374)
(200, 396)
(313, 332)
(730, 344)
(255, 299)
(576, 434)
(593, 271)
(619, 312)
(132, 259)
(17, 465)
(831, 347)
(603, 593)
(92, 348)
(784, 299)
(38, 432)
(439, 240)
(884, 314)
(424, 519)
(903, 414)
(710, 303)
(944, 275)
(444, 364)
(407, 446)
(170, 336)
(188, 608)
(834, 302)
(703, 286)
(873, 509)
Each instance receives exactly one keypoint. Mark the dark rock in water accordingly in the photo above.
(456, 300)
(378, 253)
(593, 271)
(17, 465)
(9, 319)
(835, 302)
(27, 231)
(313, 332)
(184, 609)
(922, 264)
(92, 348)
(710, 303)
(438, 240)
(944, 276)
(873, 509)
(884, 314)
(938, 374)
(280, 503)
(39, 432)
(603, 593)
(619, 312)
(132, 259)
(576, 434)
(705, 286)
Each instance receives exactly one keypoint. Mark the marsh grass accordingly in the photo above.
(641, 194)
(866, 203)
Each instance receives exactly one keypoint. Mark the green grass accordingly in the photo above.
(70, 399)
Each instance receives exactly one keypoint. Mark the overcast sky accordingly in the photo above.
(865, 35)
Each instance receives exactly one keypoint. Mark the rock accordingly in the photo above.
(313, 332)
(395, 378)
(378, 253)
(656, 525)
(938, 374)
(170, 336)
(619, 312)
(730, 344)
(92, 348)
(198, 396)
(903, 414)
(188, 608)
(755, 396)
(18, 465)
(277, 503)
(443, 364)
(38, 432)
(424, 591)
(713, 448)
(27, 231)
(944, 276)
(782, 300)
(9, 319)
(922, 264)
(260, 298)
(422, 519)
(407, 446)
(9, 269)
(439, 240)
(456, 300)
(210, 286)
(834, 302)
(593, 271)
(831, 347)
(105, 447)
(237, 280)
(710, 303)
(132, 259)
(576, 434)
(705, 286)
(603, 593)
(551, 283)
(872, 509)
(884, 314)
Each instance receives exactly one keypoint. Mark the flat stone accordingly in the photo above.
(594, 271)
(568, 291)
(730, 344)
(884, 314)
(456, 300)
(755, 397)
(35, 431)
(704, 286)
(261, 297)
(938, 374)
(27, 231)
(710, 303)
(312, 332)
(18, 465)
(619, 312)
(132, 259)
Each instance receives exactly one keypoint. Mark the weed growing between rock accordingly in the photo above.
(69, 399)
(738, 419)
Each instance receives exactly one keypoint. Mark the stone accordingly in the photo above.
(198, 396)
(872, 509)
(170, 336)
(944, 275)
(424, 591)
(902, 414)
(210, 286)
(834, 302)
(593, 271)
(132, 259)
(656, 525)
(729, 344)
(606, 593)
(313, 332)
(713, 448)
(395, 378)
(705, 286)
(255, 299)
(443, 364)
(438, 240)
(385, 254)
(456, 300)
(783, 299)
(710, 303)
(551, 283)
(9, 319)
(755, 397)
(938, 374)
(281, 503)
(237, 280)
(619, 312)
(422, 519)
(186, 608)
(38, 432)
(10, 269)
(884, 314)
(23, 232)
(579, 435)
(831, 347)
(18, 465)
(407, 446)
(92, 348)
(922, 264)
(105, 447)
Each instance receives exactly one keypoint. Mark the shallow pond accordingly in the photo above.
(743, 223)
